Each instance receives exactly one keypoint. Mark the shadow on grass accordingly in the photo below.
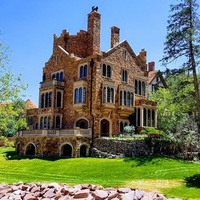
(144, 160)
(193, 181)
(12, 155)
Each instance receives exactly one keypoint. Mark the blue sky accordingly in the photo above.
(27, 27)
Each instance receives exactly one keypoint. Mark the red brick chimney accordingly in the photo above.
(94, 23)
(115, 36)
(151, 66)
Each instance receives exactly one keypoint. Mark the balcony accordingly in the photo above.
(80, 107)
(51, 83)
(77, 132)
(125, 111)
(107, 107)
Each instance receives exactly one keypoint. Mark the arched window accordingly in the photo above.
(85, 71)
(81, 72)
(153, 118)
(46, 99)
(76, 96)
(121, 97)
(41, 123)
(104, 70)
(112, 95)
(108, 94)
(149, 117)
(58, 99)
(128, 99)
(57, 121)
(124, 76)
(136, 87)
(82, 123)
(80, 95)
(104, 95)
(49, 122)
(84, 94)
(131, 99)
(140, 88)
(61, 76)
(50, 99)
(45, 122)
(57, 76)
(144, 117)
(42, 100)
(125, 98)
(107, 71)
(143, 88)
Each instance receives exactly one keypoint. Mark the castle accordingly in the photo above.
(86, 94)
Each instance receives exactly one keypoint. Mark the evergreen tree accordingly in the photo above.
(183, 41)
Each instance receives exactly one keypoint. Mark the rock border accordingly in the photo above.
(55, 191)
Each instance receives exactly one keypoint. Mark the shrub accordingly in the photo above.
(4, 142)
(151, 132)
(129, 130)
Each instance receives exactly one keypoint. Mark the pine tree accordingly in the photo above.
(183, 41)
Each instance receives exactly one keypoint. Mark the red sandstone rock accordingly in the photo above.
(82, 194)
(100, 194)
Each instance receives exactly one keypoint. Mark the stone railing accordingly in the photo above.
(54, 132)
(51, 83)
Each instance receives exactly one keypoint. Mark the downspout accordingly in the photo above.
(91, 84)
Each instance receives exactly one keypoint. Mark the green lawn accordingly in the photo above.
(174, 178)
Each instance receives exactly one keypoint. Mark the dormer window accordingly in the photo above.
(107, 71)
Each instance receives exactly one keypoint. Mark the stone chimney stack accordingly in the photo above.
(94, 23)
(151, 66)
(115, 36)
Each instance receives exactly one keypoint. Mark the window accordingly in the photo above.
(83, 71)
(124, 76)
(140, 87)
(124, 55)
(126, 98)
(80, 95)
(58, 99)
(107, 71)
(59, 76)
(108, 95)
(45, 122)
(46, 100)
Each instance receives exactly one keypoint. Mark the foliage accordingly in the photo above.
(152, 131)
(4, 142)
(129, 130)
(12, 117)
(148, 173)
(182, 42)
(169, 111)
(11, 108)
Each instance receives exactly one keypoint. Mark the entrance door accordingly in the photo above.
(105, 128)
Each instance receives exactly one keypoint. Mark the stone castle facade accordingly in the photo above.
(86, 94)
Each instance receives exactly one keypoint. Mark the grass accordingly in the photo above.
(173, 178)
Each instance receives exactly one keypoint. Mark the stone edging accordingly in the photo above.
(55, 191)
